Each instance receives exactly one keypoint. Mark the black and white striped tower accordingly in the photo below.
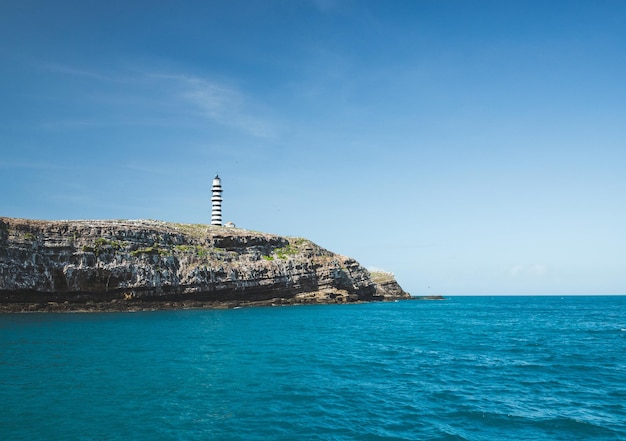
(216, 202)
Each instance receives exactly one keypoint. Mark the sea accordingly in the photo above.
(464, 368)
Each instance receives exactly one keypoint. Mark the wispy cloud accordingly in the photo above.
(223, 104)
(144, 97)
(74, 71)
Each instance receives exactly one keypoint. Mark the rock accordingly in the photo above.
(387, 286)
(53, 265)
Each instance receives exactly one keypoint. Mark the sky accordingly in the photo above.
(469, 147)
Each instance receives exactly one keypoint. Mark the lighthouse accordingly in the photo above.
(216, 202)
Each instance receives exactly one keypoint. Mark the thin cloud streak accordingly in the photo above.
(206, 98)
(86, 73)
(222, 104)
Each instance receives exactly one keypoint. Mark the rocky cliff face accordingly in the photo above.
(62, 265)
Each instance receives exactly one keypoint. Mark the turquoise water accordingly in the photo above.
(469, 368)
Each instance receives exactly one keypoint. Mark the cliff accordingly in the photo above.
(130, 265)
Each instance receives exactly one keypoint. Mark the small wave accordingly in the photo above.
(565, 425)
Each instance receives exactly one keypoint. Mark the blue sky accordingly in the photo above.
(469, 147)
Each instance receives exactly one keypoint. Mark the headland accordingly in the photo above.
(129, 265)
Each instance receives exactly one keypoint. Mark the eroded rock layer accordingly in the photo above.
(118, 265)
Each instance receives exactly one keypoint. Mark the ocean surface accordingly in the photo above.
(467, 368)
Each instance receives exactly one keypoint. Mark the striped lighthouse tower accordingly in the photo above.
(216, 202)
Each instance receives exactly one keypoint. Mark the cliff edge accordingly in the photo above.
(142, 264)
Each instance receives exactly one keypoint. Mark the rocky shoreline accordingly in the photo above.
(122, 265)
(142, 306)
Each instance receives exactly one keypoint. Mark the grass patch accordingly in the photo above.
(195, 230)
(185, 248)
(286, 251)
(29, 236)
(150, 251)
(198, 250)
(102, 245)
(381, 276)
